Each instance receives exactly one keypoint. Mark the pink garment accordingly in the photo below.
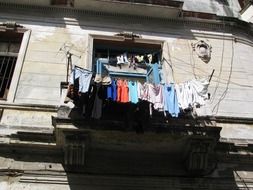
(143, 91)
(140, 90)
(153, 94)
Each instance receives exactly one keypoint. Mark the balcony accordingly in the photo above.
(149, 8)
(169, 3)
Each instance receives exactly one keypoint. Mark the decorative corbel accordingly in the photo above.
(10, 25)
(128, 35)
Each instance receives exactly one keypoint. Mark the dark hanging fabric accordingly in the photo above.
(142, 116)
(72, 93)
(141, 65)
(155, 58)
(91, 99)
(87, 101)
(129, 115)
(113, 61)
(98, 102)
(146, 60)
(83, 101)
(84, 97)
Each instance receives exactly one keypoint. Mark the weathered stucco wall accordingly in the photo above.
(44, 66)
(26, 118)
(38, 94)
(231, 86)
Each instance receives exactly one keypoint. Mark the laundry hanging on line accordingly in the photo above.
(192, 93)
(84, 77)
(167, 98)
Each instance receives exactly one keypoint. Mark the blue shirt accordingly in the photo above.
(170, 100)
(84, 79)
(112, 91)
(133, 94)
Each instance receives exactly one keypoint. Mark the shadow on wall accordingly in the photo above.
(231, 176)
(133, 169)
(227, 7)
(231, 172)
(223, 2)
(94, 21)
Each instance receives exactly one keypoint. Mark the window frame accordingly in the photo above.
(10, 98)
(91, 39)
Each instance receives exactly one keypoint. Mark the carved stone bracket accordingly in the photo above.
(128, 35)
(10, 25)
(203, 50)
(75, 149)
(198, 154)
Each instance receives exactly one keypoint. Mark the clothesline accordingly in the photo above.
(167, 98)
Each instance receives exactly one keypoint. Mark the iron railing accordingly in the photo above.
(7, 66)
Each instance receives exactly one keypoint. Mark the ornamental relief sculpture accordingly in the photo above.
(203, 50)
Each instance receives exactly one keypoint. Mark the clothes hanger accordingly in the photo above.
(75, 66)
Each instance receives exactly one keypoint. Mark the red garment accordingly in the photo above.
(122, 91)
(119, 89)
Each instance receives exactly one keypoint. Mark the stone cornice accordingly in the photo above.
(221, 23)
(28, 107)
(224, 119)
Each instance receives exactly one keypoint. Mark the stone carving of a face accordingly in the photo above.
(203, 50)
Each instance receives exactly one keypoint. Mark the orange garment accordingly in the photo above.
(119, 89)
(122, 91)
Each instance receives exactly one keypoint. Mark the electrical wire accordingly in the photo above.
(192, 61)
(216, 106)
(222, 80)
(191, 72)
(187, 41)
(170, 62)
(221, 65)
(185, 63)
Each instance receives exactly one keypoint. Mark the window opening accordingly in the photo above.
(127, 59)
(99, 100)
(131, 61)
(9, 47)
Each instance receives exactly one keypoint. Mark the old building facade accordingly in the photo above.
(47, 143)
